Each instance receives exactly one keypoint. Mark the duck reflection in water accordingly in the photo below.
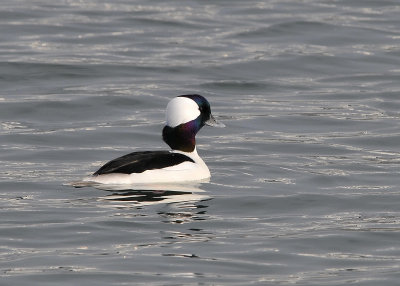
(180, 204)
(143, 195)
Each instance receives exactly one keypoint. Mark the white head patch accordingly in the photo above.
(181, 110)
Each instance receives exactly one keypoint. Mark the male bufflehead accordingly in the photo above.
(185, 116)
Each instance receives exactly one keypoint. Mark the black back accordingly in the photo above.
(138, 162)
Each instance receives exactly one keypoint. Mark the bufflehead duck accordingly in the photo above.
(185, 116)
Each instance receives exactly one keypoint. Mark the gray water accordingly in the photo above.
(305, 176)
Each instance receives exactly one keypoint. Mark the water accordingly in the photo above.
(305, 177)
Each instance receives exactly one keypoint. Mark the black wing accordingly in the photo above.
(138, 162)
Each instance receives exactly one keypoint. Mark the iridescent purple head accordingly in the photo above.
(185, 116)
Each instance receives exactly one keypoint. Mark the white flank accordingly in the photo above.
(186, 171)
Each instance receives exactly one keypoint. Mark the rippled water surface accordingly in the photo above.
(305, 176)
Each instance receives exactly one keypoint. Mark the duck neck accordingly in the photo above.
(181, 137)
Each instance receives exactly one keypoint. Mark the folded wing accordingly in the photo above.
(138, 162)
